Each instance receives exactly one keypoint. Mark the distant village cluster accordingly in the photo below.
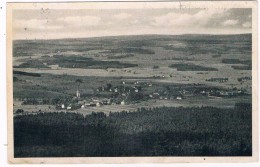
(129, 93)
(118, 95)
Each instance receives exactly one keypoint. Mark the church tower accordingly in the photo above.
(77, 94)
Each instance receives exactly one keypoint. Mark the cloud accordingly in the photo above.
(87, 23)
(122, 16)
(230, 22)
(178, 19)
(247, 25)
(79, 21)
(35, 24)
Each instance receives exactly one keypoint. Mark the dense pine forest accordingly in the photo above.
(164, 131)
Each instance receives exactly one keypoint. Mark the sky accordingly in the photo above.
(72, 23)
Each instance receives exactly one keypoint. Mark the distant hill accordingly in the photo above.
(149, 36)
(132, 44)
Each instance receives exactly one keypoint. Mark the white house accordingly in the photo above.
(98, 104)
(179, 98)
(69, 107)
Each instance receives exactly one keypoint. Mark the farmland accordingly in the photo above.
(158, 73)
(186, 59)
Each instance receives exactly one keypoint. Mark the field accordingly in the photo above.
(208, 75)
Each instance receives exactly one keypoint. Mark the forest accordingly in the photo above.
(73, 62)
(163, 131)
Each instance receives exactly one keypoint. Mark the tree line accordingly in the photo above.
(164, 131)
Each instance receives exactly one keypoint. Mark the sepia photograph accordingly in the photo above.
(132, 82)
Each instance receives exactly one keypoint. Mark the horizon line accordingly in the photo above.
(107, 36)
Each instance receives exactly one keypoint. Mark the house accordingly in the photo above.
(94, 99)
(137, 88)
(179, 98)
(243, 79)
(101, 89)
(87, 104)
(205, 93)
(184, 91)
(98, 104)
(123, 102)
(106, 101)
(92, 105)
(155, 95)
(69, 107)
(109, 101)
(221, 80)
(62, 106)
(226, 93)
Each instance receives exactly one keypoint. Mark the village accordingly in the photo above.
(134, 93)
(128, 93)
